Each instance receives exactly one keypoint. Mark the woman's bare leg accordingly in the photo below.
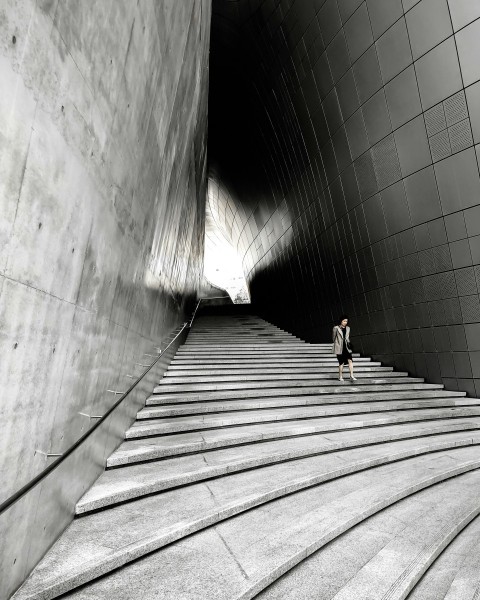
(340, 371)
(350, 367)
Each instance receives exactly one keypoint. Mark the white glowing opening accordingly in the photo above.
(222, 266)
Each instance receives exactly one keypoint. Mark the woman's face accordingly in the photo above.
(344, 323)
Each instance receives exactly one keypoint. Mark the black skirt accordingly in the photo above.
(345, 356)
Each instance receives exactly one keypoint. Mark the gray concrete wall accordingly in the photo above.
(103, 111)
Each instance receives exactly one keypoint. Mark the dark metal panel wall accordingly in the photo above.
(361, 122)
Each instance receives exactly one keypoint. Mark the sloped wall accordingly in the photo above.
(103, 113)
(364, 119)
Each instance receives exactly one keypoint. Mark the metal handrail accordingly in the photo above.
(56, 463)
(194, 313)
(61, 457)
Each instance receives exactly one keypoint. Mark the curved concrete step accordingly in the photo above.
(455, 575)
(285, 375)
(281, 375)
(255, 547)
(261, 362)
(154, 416)
(241, 328)
(232, 365)
(390, 547)
(271, 351)
(242, 339)
(254, 336)
(265, 451)
(202, 439)
(127, 483)
(320, 419)
(342, 388)
(226, 331)
(246, 337)
(194, 408)
(306, 367)
(260, 344)
(363, 378)
(230, 339)
(286, 367)
(228, 334)
(428, 537)
(297, 343)
(244, 344)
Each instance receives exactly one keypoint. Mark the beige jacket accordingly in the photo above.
(338, 339)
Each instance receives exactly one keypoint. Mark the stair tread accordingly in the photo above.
(362, 379)
(256, 546)
(252, 444)
(393, 532)
(455, 575)
(121, 484)
(264, 360)
(305, 400)
(148, 449)
(367, 386)
(153, 416)
(251, 432)
(268, 368)
(190, 380)
(238, 370)
(281, 375)
(265, 543)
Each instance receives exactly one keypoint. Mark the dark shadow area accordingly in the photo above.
(347, 133)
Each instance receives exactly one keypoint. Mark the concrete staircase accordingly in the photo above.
(253, 472)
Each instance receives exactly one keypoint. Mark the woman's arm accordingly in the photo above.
(334, 334)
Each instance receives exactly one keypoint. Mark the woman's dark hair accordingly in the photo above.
(342, 317)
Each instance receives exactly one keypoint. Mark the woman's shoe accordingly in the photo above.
(341, 379)
(352, 378)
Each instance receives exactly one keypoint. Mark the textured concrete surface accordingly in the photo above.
(328, 387)
(269, 541)
(111, 488)
(248, 404)
(260, 490)
(356, 554)
(456, 573)
(181, 423)
(145, 525)
(133, 451)
(103, 111)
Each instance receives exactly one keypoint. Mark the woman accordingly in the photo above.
(341, 347)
